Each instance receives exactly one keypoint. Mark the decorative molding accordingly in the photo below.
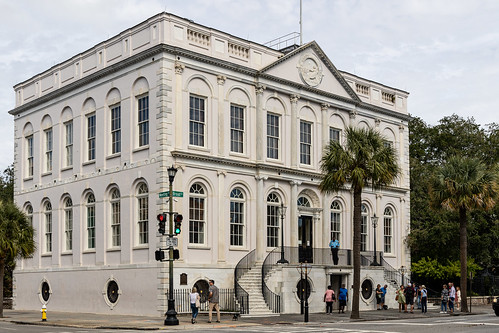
(353, 114)
(221, 79)
(294, 98)
(259, 88)
(221, 173)
(377, 121)
(310, 69)
(179, 67)
(325, 106)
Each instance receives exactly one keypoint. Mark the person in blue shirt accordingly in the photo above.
(334, 244)
(342, 298)
(383, 290)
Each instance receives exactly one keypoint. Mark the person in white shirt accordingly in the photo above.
(452, 297)
(195, 303)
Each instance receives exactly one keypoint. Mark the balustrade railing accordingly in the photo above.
(242, 267)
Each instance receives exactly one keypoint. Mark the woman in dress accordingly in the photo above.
(195, 303)
(400, 298)
(445, 298)
(458, 297)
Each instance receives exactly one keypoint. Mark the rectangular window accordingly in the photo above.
(48, 232)
(236, 223)
(388, 234)
(196, 220)
(91, 131)
(236, 129)
(29, 155)
(305, 142)
(334, 134)
(68, 225)
(49, 144)
(116, 129)
(335, 224)
(272, 226)
(143, 203)
(116, 224)
(196, 121)
(143, 120)
(272, 136)
(363, 233)
(69, 143)
(91, 227)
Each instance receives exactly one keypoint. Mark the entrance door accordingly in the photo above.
(305, 244)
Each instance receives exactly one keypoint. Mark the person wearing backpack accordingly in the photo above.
(329, 298)
(409, 298)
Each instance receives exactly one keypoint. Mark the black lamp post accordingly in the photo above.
(374, 221)
(305, 268)
(171, 314)
(402, 271)
(282, 211)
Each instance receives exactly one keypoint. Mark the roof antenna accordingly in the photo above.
(301, 26)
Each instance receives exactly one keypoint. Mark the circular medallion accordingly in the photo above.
(310, 70)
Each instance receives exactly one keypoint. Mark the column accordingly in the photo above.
(222, 246)
(261, 234)
(260, 120)
(293, 213)
(316, 239)
(326, 235)
(179, 69)
(352, 114)
(402, 180)
(294, 139)
(325, 125)
(221, 137)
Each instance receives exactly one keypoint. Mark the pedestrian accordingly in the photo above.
(400, 298)
(444, 296)
(329, 298)
(458, 297)
(195, 303)
(343, 298)
(452, 297)
(384, 290)
(379, 293)
(417, 298)
(424, 299)
(213, 301)
(334, 244)
(409, 298)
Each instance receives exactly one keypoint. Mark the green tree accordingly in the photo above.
(16, 238)
(364, 160)
(461, 185)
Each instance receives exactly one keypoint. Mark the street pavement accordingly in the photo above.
(105, 321)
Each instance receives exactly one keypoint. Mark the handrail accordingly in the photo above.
(272, 299)
(241, 268)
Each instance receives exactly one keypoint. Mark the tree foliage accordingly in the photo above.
(434, 270)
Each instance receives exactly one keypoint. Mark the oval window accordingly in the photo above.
(45, 291)
(367, 289)
(202, 286)
(303, 288)
(112, 291)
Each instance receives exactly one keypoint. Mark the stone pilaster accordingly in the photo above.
(293, 213)
(221, 137)
(222, 246)
(260, 121)
(294, 139)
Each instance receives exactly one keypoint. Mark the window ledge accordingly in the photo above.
(28, 178)
(141, 247)
(198, 247)
(238, 248)
(48, 173)
(114, 249)
(48, 254)
(67, 168)
(88, 162)
(193, 147)
(67, 253)
(146, 147)
(88, 251)
(109, 157)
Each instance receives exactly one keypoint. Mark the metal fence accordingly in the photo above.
(227, 300)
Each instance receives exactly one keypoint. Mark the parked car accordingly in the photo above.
(495, 305)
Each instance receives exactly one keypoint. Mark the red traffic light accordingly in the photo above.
(161, 217)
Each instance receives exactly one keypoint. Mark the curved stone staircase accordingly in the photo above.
(251, 281)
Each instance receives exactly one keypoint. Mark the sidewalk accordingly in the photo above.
(103, 321)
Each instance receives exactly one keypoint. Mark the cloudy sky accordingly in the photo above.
(445, 53)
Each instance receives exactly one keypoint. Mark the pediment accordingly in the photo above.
(309, 66)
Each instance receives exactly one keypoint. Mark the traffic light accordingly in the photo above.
(178, 223)
(161, 222)
(160, 255)
(176, 254)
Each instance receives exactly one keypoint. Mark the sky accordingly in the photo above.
(445, 53)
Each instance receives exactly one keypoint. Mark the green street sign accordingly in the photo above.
(175, 194)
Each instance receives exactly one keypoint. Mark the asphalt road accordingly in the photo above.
(484, 323)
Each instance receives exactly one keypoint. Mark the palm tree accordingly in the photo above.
(16, 238)
(365, 160)
(463, 184)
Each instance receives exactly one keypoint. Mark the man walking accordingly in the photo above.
(335, 246)
(452, 297)
(424, 293)
(213, 301)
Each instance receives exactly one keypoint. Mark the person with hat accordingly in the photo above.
(424, 298)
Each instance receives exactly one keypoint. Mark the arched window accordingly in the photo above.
(237, 212)
(115, 218)
(363, 228)
(197, 214)
(143, 213)
(68, 223)
(388, 229)
(273, 203)
(335, 220)
(29, 214)
(303, 202)
(90, 207)
(48, 226)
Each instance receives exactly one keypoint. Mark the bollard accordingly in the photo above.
(44, 312)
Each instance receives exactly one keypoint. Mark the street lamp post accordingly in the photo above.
(402, 271)
(282, 211)
(171, 314)
(305, 268)
(374, 221)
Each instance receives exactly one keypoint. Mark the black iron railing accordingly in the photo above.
(227, 300)
(391, 274)
(242, 267)
(272, 299)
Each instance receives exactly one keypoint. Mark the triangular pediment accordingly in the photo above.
(309, 66)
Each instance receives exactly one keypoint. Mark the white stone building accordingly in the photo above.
(244, 124)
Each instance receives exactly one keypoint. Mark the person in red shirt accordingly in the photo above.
(329, 298)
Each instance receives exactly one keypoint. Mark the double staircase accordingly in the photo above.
(251, 281)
